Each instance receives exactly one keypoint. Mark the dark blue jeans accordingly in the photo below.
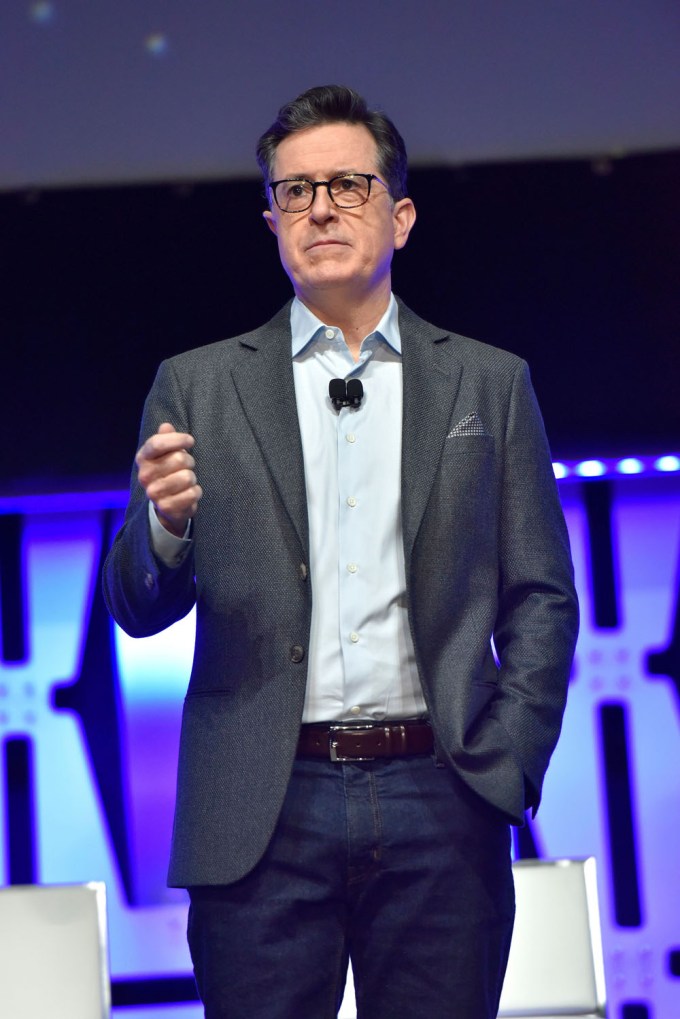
(393, 863)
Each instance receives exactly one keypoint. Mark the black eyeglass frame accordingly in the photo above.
(368, 177)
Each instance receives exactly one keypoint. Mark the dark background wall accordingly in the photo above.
(573, 264)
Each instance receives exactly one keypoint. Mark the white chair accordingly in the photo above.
(53, 952)
(556, 965)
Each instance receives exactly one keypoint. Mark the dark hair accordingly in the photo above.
(330, 104)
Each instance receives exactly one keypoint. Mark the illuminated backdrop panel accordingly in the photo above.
(122, 90)
(89, 723)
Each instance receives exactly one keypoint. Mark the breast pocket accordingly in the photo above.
(459, 447)
(466, 490)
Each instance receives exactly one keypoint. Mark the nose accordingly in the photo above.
(322, 207)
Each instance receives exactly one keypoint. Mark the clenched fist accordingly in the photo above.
(166, 472)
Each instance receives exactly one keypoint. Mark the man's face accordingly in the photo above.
(328, 248)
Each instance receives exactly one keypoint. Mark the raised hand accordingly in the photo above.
(166, 472)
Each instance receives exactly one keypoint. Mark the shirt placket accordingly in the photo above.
(352, 451)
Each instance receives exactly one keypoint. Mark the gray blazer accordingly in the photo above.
(486, 553)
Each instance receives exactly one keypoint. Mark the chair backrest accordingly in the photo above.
(556, 965)
(53, 952)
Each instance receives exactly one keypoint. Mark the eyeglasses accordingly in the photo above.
(347, 191)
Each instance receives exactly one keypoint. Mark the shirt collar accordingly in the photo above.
(306, 327)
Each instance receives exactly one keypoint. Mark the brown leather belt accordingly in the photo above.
(356, 742)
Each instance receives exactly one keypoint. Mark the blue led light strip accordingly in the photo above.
(64, 502)
(616, 467)
(564, 470)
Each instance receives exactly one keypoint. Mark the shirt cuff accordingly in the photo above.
(170, 550)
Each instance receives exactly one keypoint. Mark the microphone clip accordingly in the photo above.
(345, 394)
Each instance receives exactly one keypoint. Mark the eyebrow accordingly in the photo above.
(336, 173)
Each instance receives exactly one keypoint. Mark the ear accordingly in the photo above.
(268, 216)
(404, 216)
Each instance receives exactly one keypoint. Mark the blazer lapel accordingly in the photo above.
(431, 381)
(431, 378)
(264, 383)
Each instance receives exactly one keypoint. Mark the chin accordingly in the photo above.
(327, 280)
(339, 268)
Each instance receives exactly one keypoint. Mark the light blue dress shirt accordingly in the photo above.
(361, 656)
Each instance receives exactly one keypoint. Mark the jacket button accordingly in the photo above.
(297, 653)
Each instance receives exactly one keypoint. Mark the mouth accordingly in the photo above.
(326, 243)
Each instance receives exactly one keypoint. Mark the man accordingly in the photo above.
(352, 748)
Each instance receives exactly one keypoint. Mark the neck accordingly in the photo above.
(357, 316)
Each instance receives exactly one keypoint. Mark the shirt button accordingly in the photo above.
(351, 437)
(356, 710)
(297, 653)
(303, 571)
(351, 501)
(330, 334)
(352, 567)
(354, 637)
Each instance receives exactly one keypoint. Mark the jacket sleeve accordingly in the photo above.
(144, 595)
(537, 623)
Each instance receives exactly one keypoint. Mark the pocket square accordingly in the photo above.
(471, 424)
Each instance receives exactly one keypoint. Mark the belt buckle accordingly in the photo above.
(335, 756)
